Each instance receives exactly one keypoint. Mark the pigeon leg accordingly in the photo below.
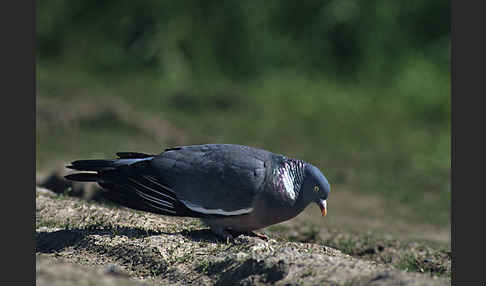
(221, 233)
(259, 235)
(248, 233)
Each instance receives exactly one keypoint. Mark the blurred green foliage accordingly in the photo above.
(362, 88)
(345, 39)
(376, 43)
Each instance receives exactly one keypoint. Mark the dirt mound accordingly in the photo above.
(82, 242)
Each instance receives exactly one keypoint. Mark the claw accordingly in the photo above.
(228, 234)
(251, 233)
(222, 233)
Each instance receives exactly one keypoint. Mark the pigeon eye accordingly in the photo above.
(316, 189)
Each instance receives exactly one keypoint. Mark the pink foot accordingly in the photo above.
(259, 235)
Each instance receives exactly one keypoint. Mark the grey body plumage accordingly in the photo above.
(229, 187)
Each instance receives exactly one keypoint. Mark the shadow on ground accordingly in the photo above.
(55, 241)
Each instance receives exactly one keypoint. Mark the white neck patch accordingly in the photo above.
(288, 182)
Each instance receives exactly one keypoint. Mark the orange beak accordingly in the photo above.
(323, 206)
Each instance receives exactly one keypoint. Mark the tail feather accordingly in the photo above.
(83, 177)
(130, 182)
(126, 158)
(102, 167)
(93, 165)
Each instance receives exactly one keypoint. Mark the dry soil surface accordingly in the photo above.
(81, 242)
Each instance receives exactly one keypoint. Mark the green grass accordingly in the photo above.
(391, 140)
(409, 255)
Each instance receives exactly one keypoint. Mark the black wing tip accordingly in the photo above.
(173, 148)
(132, 155)
(76, 165)
(83, 177)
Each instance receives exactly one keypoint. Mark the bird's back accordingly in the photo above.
(213, 175)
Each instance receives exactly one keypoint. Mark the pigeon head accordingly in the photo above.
(315, 188)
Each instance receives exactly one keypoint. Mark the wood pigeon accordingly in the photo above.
(234, 189)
